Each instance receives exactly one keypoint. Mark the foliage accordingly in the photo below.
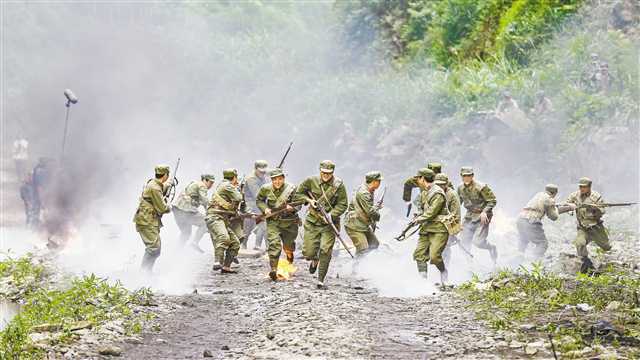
(549, 301)
(89, 298)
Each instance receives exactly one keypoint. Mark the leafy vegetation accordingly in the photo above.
(577, 311)
(86, 302)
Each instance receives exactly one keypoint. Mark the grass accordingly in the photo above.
(549, 301)
(87, 301)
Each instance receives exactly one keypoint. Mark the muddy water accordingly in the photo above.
(7, 311)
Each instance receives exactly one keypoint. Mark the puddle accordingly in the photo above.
(7, 311)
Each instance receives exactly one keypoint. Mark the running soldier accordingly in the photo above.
(185, 210)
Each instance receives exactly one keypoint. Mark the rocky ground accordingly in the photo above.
(248, 316)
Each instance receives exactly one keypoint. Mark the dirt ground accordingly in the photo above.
(246, 316)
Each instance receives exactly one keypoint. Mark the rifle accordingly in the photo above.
(327, 219)
(603, 205)
(236, 214)
(457, 241)
(278, 211)
(285, 155)
(171, 191)
(409, 209)
(407, 229)
(374, 226)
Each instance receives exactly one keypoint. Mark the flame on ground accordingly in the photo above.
(285, 269)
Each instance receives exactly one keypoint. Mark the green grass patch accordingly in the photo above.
(554, 305)
(85, 302)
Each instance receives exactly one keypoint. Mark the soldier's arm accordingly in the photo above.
(551, 209)
(261, 199)
(599, 200)
(301, 192)
(342, 202)
(409, 184)
(489, 198)
(433, 209)
(202, 196)
(157, 200)
(455, 207)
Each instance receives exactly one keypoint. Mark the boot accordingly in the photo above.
(313, 266)
(226, 265)
(321, 286)
(273, 264)
(587, 266)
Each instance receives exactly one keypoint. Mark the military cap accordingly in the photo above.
(426, 173)
(466, 170)
(162, 169)
(276, 172)
(506, 94)
(551, 188)
(372, 176)
(584, 181)
(209, 177)
(435, 166)
(260, 164)
(327, 166)
(229, 173)
(441, 179)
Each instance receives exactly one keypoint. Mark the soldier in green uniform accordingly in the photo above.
(362, 214)
(529, 221)
(410, 183)
(319, 237)
(589, 216)
(185, 209)
(479, 201)
(282, 229)
(453, 206)
(250, 189)
(148, 217)
(433, 232)
(223, 222)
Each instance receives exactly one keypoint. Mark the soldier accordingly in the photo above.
(223, 222)
(542, 106)
(453, 205)
(282, 229)
(410, 183)
(508, 103)
(148, 218)
(362, 214)
(479, 201)
(530, 220)
(589, 216)
(250, 189)
(185, 209)
(433, 233)
(319, 237)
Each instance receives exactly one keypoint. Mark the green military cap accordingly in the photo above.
(426, 173)
(372, 176)
(209, 177)
(276, 172)
(260, 164)
(441, 179)
(584, 181)
(466, 170)
(551, 188)
(229, 173)
(162, 169)
(435, 166)
(327, 166)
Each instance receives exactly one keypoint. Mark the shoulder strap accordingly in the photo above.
(280, 200)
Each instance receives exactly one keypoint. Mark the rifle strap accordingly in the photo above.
(332, 191)
(284, 196)
(220, 201)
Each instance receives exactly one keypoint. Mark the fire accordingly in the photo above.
(285, 269)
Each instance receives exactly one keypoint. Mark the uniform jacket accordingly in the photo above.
(587, 216)
(227, 197)
(152, 205)
(434, 209)
(540, 205)
(332, 196)
(476, 198)
(192, 197)
(361, 212)
(269, 197)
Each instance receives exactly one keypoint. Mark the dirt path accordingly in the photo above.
(247, 316)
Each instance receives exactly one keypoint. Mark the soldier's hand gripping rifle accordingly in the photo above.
(279, 210)
(409, 230)
(284, 157)
(378, 206)
(170, 192)
(328, 220)
(568, 207)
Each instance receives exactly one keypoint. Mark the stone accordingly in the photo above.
(515, 344)
(46, 328)
(81, 325)
(529, 350)
(109, 350)
(270, 335)
(224, 347)
(584, 307)
(613, 306)
(527, 327)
